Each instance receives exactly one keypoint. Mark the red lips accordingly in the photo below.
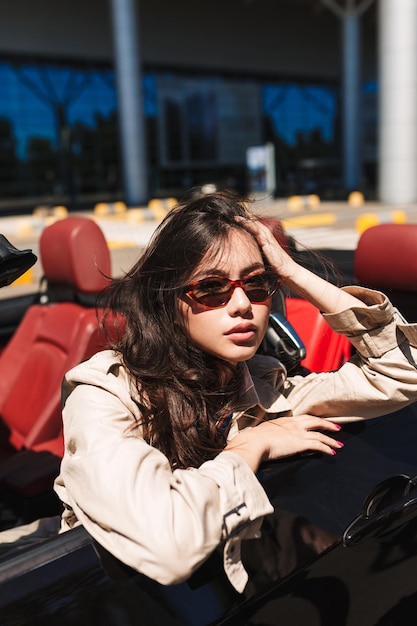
(241, 328)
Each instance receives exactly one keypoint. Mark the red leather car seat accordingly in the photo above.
(52, 337)
(386, 259)
(325, 349)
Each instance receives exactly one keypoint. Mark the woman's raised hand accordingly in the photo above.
(278, 258)
(284, 436)
(325, 296)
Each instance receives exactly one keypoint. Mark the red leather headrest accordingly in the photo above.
(386, 257)
(74, 253)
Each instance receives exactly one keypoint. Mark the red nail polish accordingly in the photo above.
(340, 444)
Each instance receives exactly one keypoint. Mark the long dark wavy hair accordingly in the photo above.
(181, 389)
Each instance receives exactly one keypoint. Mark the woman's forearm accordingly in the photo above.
(324, 295)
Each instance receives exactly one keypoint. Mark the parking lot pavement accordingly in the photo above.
(334, 225)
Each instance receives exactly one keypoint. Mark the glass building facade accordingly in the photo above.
(59, 132)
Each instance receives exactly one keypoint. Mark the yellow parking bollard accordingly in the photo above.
(156, 206)
(170, 203)
(365, 221)
(42, 210)
(135, 215)
(398, 216)
(101, 208)
(119, 207)
(295, 203)
(60, 211)
(356, 199)
(313, 201)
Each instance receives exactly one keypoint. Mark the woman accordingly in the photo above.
(161, 449)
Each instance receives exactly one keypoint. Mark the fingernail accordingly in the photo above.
(333, 452)
(338, 426)
(340, 444)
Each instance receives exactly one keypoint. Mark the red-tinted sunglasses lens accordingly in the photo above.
(216, 291)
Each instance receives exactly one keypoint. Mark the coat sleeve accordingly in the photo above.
(382, 375)
(160, 522)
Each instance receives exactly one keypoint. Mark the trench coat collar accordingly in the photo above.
(263, 379)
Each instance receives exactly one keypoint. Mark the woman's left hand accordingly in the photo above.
(324, 295)
(278, 258)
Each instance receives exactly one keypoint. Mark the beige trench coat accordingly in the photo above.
(165, 523)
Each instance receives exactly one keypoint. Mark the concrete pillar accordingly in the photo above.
(350, 12)
(127, 61)
(397, 176)
(351, 122)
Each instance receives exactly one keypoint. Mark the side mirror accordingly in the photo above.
(283, 342)
(13, 262)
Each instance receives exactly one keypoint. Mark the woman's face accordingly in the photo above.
(234, 331)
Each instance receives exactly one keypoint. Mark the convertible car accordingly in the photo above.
(341, 547)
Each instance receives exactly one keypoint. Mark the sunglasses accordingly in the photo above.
(215, 291)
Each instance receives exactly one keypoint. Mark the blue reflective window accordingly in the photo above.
(301, 120)
(58, 130)
(300, 109)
